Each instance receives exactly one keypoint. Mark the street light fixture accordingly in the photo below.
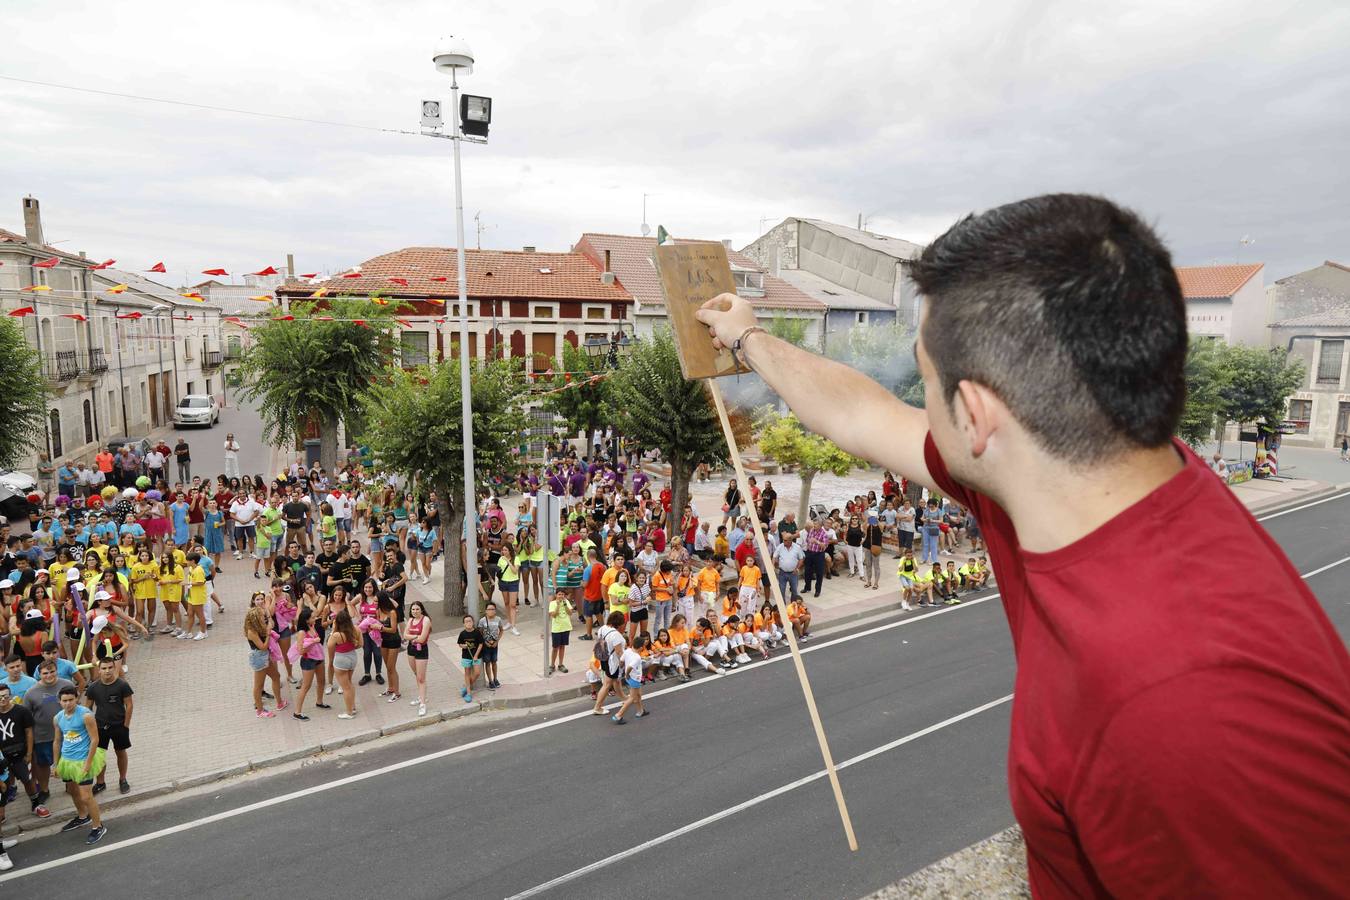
(451, 55)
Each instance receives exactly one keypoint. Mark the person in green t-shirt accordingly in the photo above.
(560, 611)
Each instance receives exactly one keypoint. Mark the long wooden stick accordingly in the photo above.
(777, 593)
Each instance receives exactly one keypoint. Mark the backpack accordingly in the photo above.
(600, 652)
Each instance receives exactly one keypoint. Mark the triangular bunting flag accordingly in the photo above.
(116, 289)
(158, 267)
(214, 272)
(76, 316)
(22, 311)
(47, 263)
(267, 271)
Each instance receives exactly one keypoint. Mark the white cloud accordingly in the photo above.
(1215, 120)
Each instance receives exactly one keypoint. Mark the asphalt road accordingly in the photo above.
(208, 444)
(719, 790)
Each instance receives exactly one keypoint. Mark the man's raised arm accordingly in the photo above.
(830, 398)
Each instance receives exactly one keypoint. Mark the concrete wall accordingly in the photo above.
(1210, 318)
(1324, 288)
(1249, 314)
(869, 272)
(783, 236)
(1325, 426)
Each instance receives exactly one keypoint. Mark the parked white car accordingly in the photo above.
(196, 409)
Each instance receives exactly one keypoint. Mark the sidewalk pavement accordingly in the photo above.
(194, 721)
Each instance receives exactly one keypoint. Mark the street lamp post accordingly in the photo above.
(611, 351)
(451, 56)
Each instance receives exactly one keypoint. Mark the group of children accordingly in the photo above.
(937, 586)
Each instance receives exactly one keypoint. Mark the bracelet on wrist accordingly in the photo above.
(738, 346)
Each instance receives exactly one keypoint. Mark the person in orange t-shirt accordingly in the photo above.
(593, 597)
(749, 593)
(800, 617)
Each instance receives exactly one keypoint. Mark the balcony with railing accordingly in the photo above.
(61, 365)
(233, 350)
(212, 359)
(97, 361)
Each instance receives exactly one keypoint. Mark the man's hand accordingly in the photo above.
(727, 317)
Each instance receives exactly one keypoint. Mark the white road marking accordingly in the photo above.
(753, 801)
(1303, 507)
(441, 754)
(1341, 561)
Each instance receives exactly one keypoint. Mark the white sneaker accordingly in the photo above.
(339, 689)
(421, 710)
(343, 715)
(414, 702)
(5, 862)
(180, 634)
(8, 842)
(199, 636)
(743, 658)
(328, 690)
(515, 631)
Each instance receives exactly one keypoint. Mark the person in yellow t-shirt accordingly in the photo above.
(195, 576)
(618, 594)
(560, 612)
(144, 586)
(171, 593)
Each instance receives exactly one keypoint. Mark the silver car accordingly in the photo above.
(196, 409)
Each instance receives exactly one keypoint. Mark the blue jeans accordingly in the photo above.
(930, 548)
(788, 580)
(660, 615)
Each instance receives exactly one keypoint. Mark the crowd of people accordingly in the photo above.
(121, 552)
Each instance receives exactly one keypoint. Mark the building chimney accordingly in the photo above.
(290, 265)
(726, 242)
(32, 221)
(775, 261)
(607, 269)
(528, 249)
(606, 277)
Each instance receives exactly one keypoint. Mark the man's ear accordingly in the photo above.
(979, 413)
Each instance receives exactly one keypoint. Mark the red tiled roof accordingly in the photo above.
(490, 273)
(1215, 281)
(630, 260)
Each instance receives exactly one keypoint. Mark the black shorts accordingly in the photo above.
(592, 608)
(638, 615)
(604, 667)
(116, 735)
(390, 642)
(309, 665)
(418, 651)
(561, 638)
(489, 654)
(18, 772)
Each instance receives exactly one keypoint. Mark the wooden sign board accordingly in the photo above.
(693, 272)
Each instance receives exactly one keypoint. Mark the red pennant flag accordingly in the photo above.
(158, 267)
(267, 271)
(231, 319)
(103, 265)
(214, 272)
(310, 275)
(568, 378)
(76, 316)
(351, 274)
(402, 281)
(38, 288)
(132, 315)
(193, 295)
(436, 300)
(182, 318)
(283, 318)
(439, 278)
(22, 311)
(47, 263)
(360, 323)
(404, 322)
(441, 321)
(379, 301)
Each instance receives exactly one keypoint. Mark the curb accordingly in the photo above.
(1285, 505)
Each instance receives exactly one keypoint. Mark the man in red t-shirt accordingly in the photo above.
(593, 597)
(1181, 725)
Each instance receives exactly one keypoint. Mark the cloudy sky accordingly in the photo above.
(1215, 120)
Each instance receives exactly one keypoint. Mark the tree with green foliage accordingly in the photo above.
(23, 395)
(318, 365)
(790, 329)
(1207, 376)
(655, 405)
(784, 440)
(585, 407)
(414, 428)
(1259, 382)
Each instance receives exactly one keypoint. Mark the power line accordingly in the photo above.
(206, 106)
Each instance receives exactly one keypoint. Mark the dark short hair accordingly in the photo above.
(1067, 307)
(68, 690)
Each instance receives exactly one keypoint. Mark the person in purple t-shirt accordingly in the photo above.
(577, 485)
(557, 485)
(639, 481)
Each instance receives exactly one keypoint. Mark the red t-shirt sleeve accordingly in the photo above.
(1220, 782)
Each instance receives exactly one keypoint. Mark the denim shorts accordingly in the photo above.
(258, 660)
(345, 661)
